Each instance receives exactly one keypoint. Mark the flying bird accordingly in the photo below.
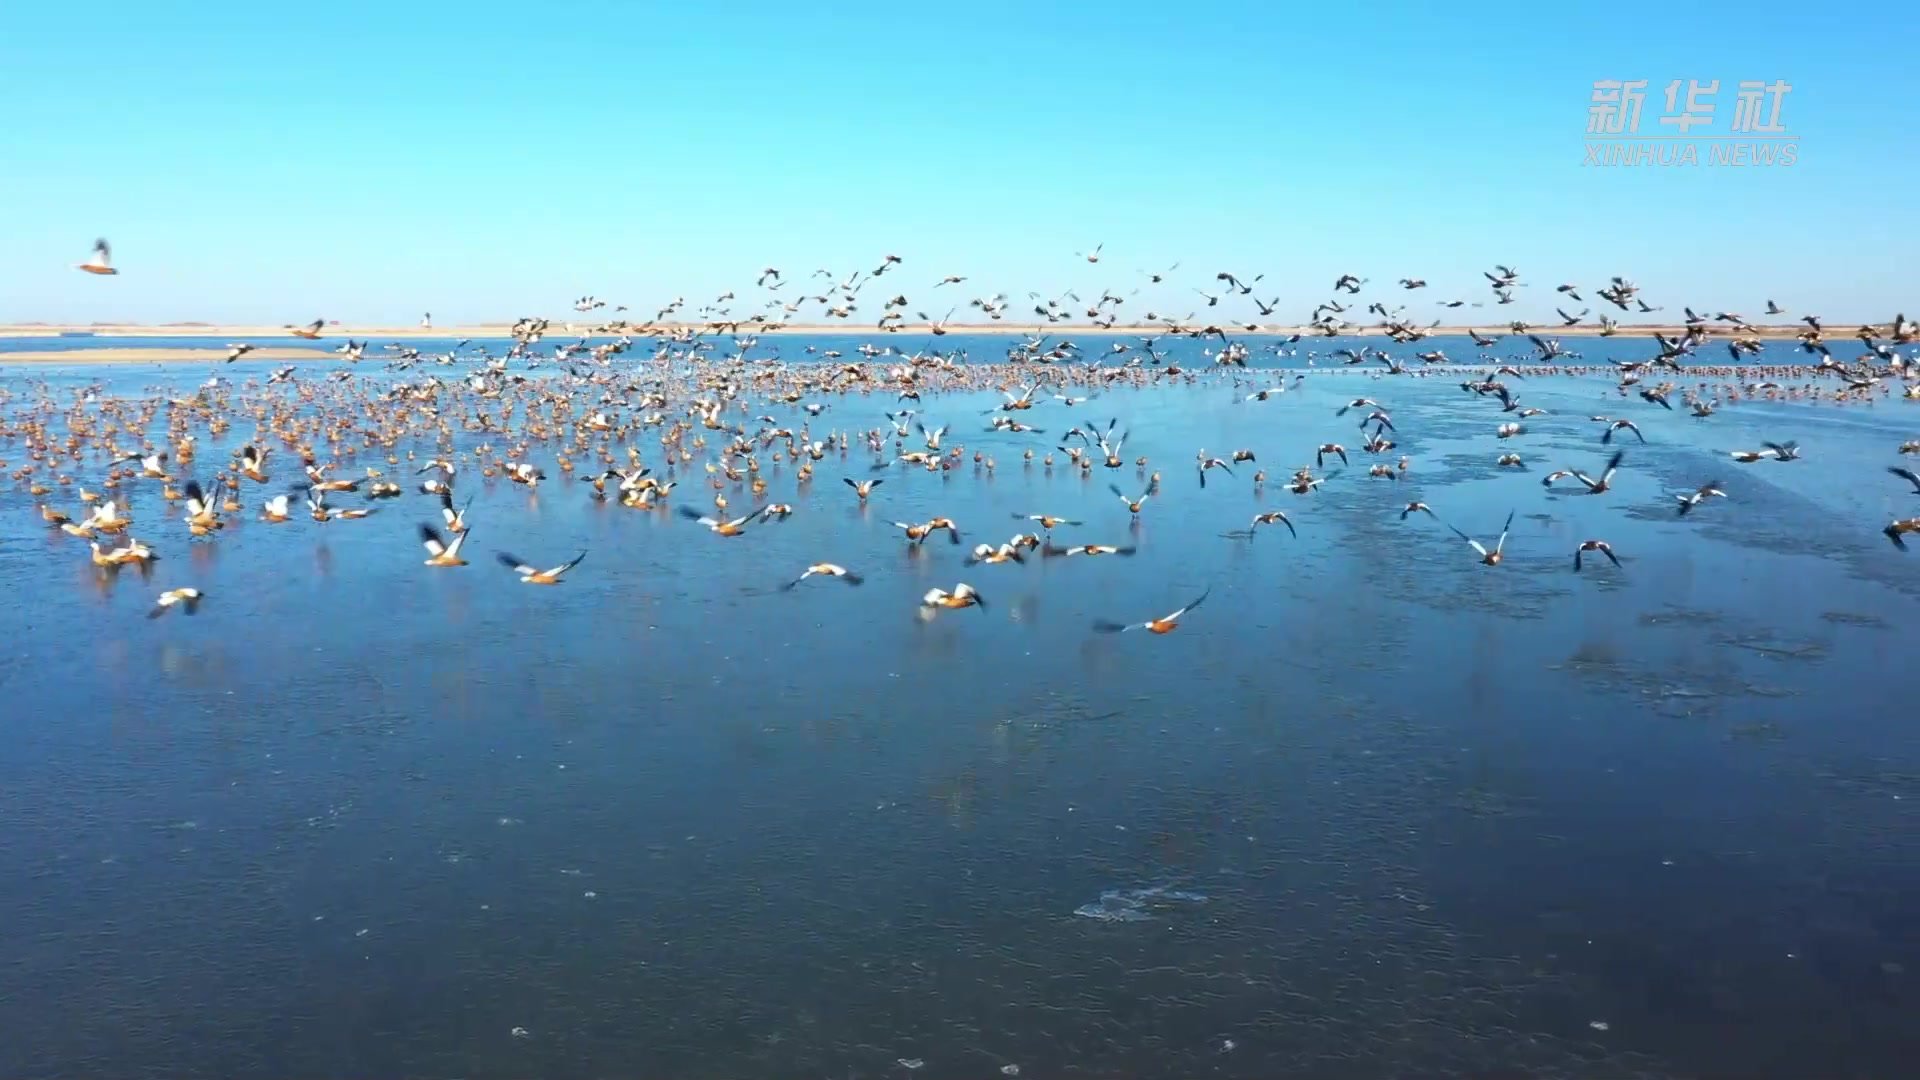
(1606, 437)
(1600, 546)
(1491, 558)
(186, 599)
(825, 569)
(440, 552)
(1899, 528)
(1694, 498)
(720, 528)
(1594, 486)
(1166, 624)
(1271, 517)
(102, 260)
(963, 595)
(532, 575)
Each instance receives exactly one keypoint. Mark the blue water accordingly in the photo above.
(361, 817)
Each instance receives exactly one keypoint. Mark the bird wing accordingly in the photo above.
(1196, 602)
(1468, 539)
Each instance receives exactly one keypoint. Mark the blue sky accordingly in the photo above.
(276, 163)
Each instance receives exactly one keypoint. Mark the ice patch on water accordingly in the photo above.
(1135, 905)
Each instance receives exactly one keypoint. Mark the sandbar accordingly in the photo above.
(110, 354)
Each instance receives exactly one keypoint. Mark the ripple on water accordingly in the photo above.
(1857, 618)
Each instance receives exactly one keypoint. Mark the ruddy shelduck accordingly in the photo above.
(1166, 624)
(186, 599)
(102, 260)
(530, 575)
(440, 552)
(1490, 558)
(962, 595)
(826, 569)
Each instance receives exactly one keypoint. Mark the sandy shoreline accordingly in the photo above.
(109, 354)
(261, 336)
(265, 336)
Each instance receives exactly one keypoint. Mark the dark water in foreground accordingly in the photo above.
(1396, 813)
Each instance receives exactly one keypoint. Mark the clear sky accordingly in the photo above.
(369, 162)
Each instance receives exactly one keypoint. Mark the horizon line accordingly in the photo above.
(1844, 328)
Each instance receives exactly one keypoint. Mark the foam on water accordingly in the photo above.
(1135, 905)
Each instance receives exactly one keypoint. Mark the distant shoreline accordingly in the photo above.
(265, 337)
(113, 354)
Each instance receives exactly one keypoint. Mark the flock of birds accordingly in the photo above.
(709, 411)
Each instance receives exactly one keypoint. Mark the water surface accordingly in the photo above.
(1375, 810)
